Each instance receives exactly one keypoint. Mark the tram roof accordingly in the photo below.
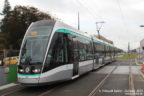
(62, 25)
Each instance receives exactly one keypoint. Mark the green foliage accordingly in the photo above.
(19, 20)
(6, 13)
(127, 56)
(3, 41)
(7, 8)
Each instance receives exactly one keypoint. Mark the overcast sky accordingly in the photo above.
(122, 17)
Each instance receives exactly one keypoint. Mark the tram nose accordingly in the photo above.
(28, 79)
(29, 74)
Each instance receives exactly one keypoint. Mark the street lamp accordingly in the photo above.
(141, 25)
(99, 27)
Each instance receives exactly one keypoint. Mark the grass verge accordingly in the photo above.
(127, 56)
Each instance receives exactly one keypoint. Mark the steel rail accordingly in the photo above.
(12, 91)
(94, 91)
(131, 81)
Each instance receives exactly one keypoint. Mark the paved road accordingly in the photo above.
(84, 85)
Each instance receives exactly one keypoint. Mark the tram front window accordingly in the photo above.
(35, 45)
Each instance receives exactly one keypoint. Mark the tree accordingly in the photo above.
(3, 41)
(6, 13)
(7, 8)
(20, 18)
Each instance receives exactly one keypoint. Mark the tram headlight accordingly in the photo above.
(36, 70)
(21, 70)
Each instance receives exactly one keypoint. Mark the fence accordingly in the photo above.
(8, 62)
(12, 74)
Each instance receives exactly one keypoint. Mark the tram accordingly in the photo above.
(52, 51)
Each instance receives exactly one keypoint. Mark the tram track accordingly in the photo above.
(91, 94)
(51, 90)
(13, 90)
(130, 91)
(21, 88)
(131, 81)
(95, 90)
(59, 86)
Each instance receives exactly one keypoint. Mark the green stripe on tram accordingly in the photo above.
(64, 31)
(79, 35)
(73, 33)
(28, 74)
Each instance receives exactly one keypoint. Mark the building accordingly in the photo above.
(104, 39)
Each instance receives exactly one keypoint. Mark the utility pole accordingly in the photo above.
(99, 27)
(78, 21)
(128, 48)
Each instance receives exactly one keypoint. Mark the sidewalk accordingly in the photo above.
(7, 80)
(7, 86)
(10, 77)
(3, 78)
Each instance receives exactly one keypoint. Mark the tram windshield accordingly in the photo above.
(35, 45)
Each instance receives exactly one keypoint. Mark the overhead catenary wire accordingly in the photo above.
(96, 15)
(122, 16)
(88, 9)
(93, 11)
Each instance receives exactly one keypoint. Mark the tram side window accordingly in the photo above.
(75, 48)
(107, 51)
(82, 51)
(57, 54)
(95, 50)
(85, 49)
(110, 51)
(70, 48)
(99, 50)
(103, 50)
(89, 51)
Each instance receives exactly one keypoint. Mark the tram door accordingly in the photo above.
(76, 58)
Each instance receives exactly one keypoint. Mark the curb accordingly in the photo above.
(138, 69)
(7, 86)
